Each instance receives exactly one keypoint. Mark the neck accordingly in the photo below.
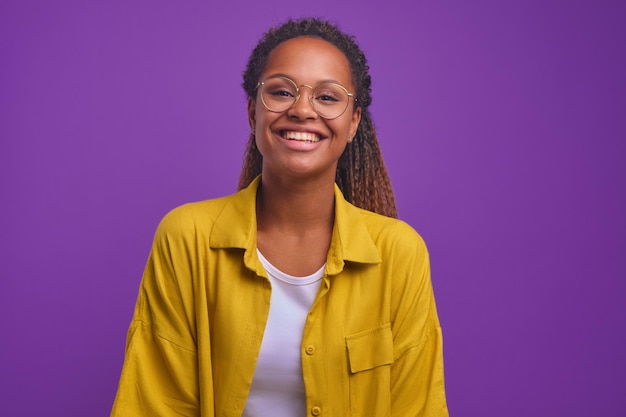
(295, 206)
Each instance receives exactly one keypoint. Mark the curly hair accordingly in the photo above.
(361, 172)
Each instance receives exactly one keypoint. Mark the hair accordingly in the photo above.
(361, 172)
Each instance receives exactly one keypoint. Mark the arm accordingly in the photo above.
(159, 376)
(417, 384)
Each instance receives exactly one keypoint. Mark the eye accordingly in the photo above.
(329, 94)
(326, 97)
(281, 92)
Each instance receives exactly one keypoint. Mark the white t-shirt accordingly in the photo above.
(277, 387)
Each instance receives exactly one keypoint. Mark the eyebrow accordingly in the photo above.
(280, 74)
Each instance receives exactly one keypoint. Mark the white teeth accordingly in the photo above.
(301, 136)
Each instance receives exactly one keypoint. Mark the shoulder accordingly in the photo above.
(387, 228)
(191, 218)
(393, 235)
(364, 233)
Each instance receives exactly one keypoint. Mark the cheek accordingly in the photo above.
(343, 126)
(263, 117)
(261, 133)
(258, 113)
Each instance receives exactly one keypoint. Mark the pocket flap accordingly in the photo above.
(371, 348)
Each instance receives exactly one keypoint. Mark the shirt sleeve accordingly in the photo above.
(159, 375)
(417, 378)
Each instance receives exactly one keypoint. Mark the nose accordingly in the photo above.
(303, 107)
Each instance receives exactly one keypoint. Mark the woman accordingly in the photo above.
(285, 299)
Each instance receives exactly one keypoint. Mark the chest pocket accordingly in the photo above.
(370, 349)
(370, 355)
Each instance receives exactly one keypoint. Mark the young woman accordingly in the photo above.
(301, 294)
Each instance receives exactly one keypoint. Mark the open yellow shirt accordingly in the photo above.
(372, 344)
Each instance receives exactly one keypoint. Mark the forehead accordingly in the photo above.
(308, 60)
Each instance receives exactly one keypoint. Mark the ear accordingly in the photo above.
(354, 123)
(251, 113)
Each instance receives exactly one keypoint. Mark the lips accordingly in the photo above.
(300, 136)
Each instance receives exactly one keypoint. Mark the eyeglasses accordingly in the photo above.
(329, 100)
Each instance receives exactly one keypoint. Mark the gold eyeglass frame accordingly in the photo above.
(292, 82)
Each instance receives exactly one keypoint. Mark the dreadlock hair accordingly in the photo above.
(361, 172)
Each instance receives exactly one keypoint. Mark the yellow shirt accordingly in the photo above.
(371, 346)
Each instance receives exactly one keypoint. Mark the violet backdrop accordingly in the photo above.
(502, 124)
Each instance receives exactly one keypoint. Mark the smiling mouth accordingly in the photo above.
(300, 136)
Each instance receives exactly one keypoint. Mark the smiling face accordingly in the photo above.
(298, 142)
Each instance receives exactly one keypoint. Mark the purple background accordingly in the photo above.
(502, 124)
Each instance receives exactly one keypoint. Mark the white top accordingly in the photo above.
(277, 387)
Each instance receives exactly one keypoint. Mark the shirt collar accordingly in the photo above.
(235, 227)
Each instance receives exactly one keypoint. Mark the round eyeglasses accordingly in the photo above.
(329, 100)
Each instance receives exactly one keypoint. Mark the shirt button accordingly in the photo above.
(316, 411)
(309, 351)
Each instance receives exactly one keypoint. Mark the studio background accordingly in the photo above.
(502, 124)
